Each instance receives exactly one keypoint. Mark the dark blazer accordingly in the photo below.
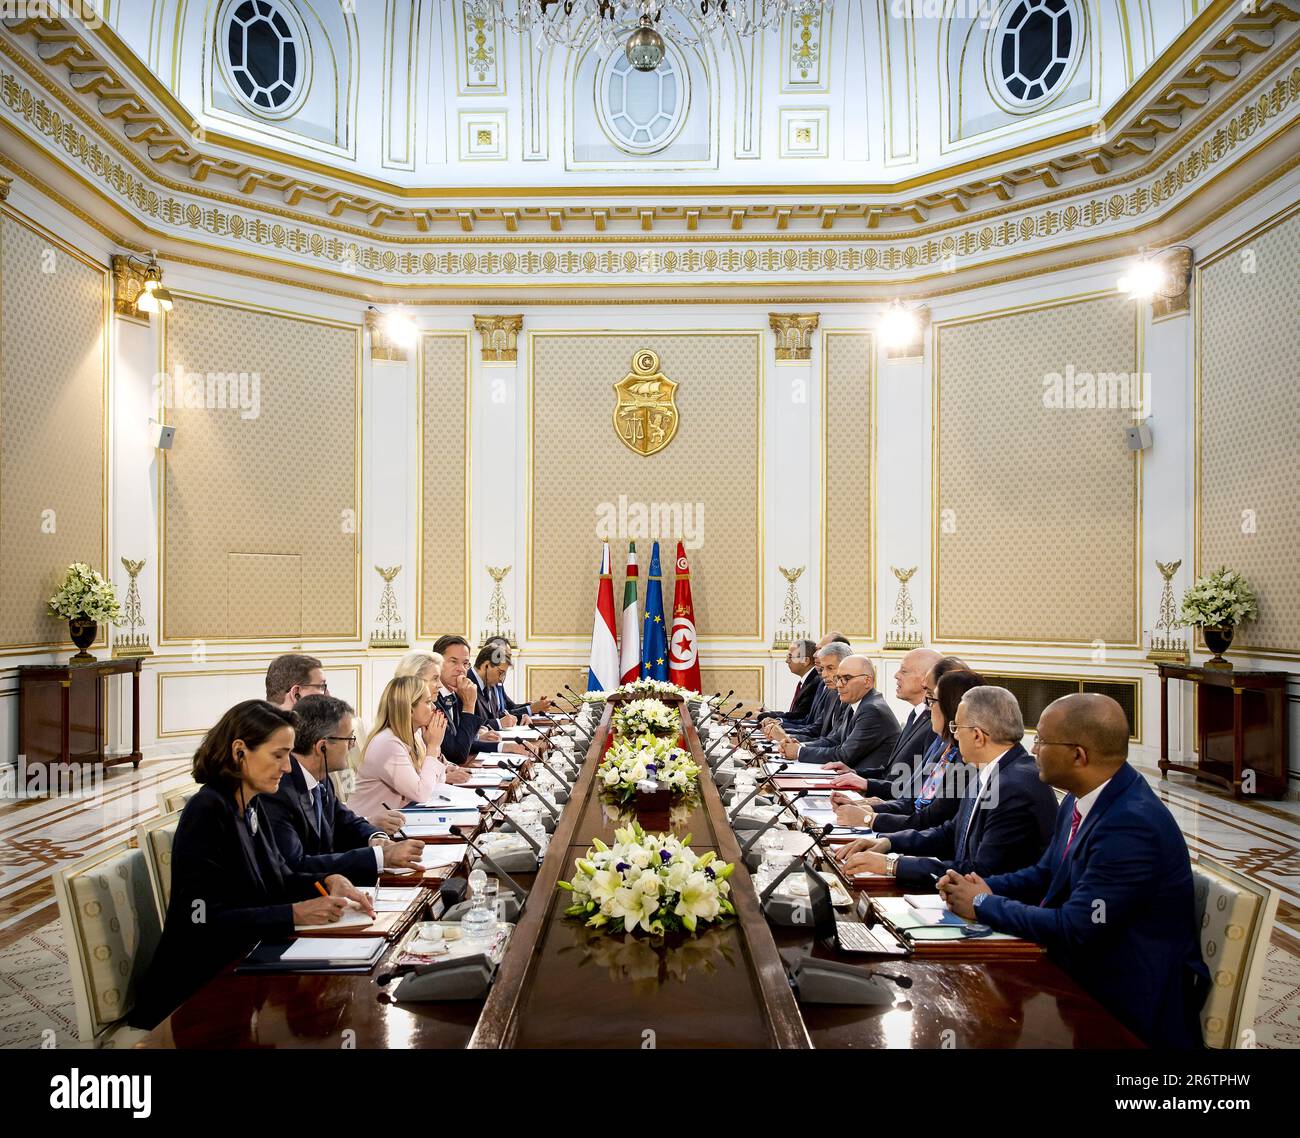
(908, 754)
(908, 812)
(483, 706)
(1143, 961)
(230, 889)
(1003, 827)
(861, 739)
(340, 845)
(822, 716)
(462, 729)
(801, 707)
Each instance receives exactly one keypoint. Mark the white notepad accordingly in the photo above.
(351, 918)
(435, 856)
(337, 950)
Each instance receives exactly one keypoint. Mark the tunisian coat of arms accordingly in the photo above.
(645, 415)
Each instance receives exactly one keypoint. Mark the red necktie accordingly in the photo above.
(1074, 829)
(797, 690)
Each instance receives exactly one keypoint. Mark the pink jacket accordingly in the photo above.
(387, 774)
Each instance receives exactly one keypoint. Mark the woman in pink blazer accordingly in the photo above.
(401, 763)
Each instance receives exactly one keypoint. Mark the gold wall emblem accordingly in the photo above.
(645, 415)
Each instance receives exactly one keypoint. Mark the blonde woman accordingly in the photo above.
(400, 763)
(426, 665)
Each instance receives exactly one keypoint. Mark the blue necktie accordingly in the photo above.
(964, 820)
(316, 798)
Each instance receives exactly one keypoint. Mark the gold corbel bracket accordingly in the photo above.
(794, 334)
(500, 337)
(1175, 298)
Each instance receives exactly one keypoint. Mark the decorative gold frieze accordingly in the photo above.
(500, 337)
(645, 414)
(914, 345)
(382, 346)
(793, 334)
(1175, 296)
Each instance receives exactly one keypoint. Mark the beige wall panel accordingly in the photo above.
(53, 310)
(747, 682)
(1041, 544)
(547, 679)
(444, 485)
(848, 484)
(1249, 411)
(247, 497)
(579, 463)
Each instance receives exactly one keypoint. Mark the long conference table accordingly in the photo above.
(561, 985)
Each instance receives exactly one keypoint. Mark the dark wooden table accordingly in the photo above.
(1241, 727)
(61, 715)
(561, 985)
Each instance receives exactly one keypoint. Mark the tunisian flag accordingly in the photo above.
(683, 660)
(603, 669)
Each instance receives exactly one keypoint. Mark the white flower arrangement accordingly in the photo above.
(646, 881)
(649, 687)
(85, 595)
(646, 717)
(648, 764)
(1221, 597)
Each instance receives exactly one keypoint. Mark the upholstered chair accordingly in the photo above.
(155, 839)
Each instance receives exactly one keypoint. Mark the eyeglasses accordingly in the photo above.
(324, 689)
(966, 727)
(840, 681)
(931, 700)
(350, 740)
(1041, 742)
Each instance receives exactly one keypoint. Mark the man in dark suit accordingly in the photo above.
(1006, 813)
(1111, 899)
(458, 699)
(498, 698)
(825, 711)
(867, 730)
(799, 658)
(914, 738)
(313, 830)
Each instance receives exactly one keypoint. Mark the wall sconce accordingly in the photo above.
(1162, 278)
(902, 330)
(137, 285)
(392, 334)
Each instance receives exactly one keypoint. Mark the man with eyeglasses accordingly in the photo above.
(292, 677)
(824, 715)
(867, 730)
(800, 659)
(1006, 814)
(1111, 899)
(313, 830)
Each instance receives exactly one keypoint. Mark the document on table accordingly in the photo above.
(335, 950)
(488, 776)
(450, 797)
(925, 900)
(816, 807)
(435, 825)
(519, 733)
(435, 856)
(351, 918)
(393, 898)
(802, 770)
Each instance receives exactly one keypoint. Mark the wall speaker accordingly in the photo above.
(1138, 436)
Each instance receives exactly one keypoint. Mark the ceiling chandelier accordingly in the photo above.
(631, 24)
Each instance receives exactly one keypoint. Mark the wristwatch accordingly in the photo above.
(891, 864)
(978, 900)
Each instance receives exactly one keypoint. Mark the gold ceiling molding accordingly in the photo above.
(638, 268)
(793, 334)
(90, 60)
(500, 337)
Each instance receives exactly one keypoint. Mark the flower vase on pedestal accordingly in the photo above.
(1218, 639)
(83, 633)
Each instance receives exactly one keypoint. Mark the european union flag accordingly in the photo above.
(654, 638)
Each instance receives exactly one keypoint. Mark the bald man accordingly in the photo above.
(1111, 898)
(864, 737)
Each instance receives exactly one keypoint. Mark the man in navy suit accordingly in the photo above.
(313, 830)
(1111, 899)
(1006, 813)
(866, 731)
(824, 712)
(800, 660)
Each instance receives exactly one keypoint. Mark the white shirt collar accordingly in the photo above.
(1089, 800)
(311, 780)
(854, 706)
(986, 770)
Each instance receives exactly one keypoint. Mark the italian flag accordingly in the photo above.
(631, 658)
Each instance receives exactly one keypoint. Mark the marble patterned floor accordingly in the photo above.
(1259, 839)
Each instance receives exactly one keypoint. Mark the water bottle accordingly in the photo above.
(480, 922)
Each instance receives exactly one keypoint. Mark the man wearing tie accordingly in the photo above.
(826, 708)
(313, 830)
(916, 737)
(867, 730)
(1006, 813)
(799, 658)
(458, 699)
(1111, 899)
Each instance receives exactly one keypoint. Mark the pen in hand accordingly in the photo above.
(399, 834)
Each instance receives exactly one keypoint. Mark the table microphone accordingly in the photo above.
(545, 765)
(731, 814)
(515, 828)
(523, 784)
(715, 702)
(772, 821)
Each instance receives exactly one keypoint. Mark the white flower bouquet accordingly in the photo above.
(646, 764)
(653, 882)
(85, 595)
(649, 687)
(646, 717)
(1219, 598)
